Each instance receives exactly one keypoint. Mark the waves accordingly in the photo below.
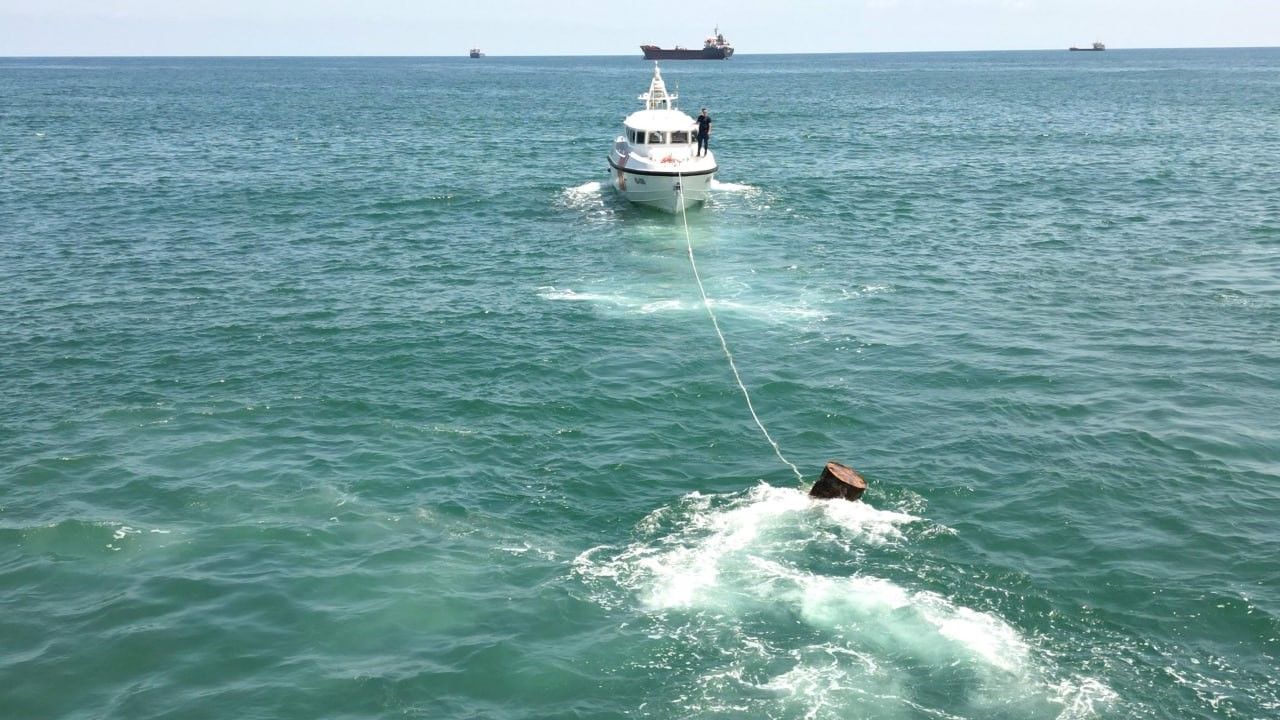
(778, 597)
(594, 187)
(729, 187)
(313, 409)
(688, 546)
(595, 202)
(587, 189)
(633, 304)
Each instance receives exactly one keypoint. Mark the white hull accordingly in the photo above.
(662, 192)
(671, 186)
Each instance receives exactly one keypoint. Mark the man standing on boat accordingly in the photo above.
(704, 132)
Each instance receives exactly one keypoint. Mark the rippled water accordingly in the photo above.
(341, 388)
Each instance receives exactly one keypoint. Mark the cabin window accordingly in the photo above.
(655, 138)
(632, 136)
(680, 137)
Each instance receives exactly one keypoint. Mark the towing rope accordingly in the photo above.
(724, 345)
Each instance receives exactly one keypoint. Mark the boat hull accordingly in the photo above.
(653, 52)
(669, 192)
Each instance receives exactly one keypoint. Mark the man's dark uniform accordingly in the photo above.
(704, 132)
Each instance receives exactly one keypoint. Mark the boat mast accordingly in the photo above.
(657, 98)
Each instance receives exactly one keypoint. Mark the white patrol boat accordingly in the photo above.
(655, 161)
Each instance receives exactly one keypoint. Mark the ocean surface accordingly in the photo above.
(345, 388)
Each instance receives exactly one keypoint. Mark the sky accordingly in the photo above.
(602, 27)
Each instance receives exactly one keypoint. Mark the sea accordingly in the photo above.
(347, 388)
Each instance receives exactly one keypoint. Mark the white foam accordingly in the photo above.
(865, 291)
(718, 186)
(684, 569)
(587, 188)
(526, 548)
(553, 293)
(652, 306)
(123, 531)
(121, 534)
(863, 520)
(586, 198)
(982, 636)
(923, 623)
(768, 311)
(451, 430)
(711, 566)
(1082, 697)
(661, 306)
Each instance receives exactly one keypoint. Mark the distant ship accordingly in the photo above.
(714, 48)
(475, 53)
(1097, 47)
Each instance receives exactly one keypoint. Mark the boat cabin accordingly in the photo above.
(637, 136)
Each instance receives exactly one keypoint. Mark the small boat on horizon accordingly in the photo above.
(476, 53)
(713, 48)
(1097, 47)
(655, 161)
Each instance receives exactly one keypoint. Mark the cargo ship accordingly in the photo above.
(1097, 47)
(713, 48)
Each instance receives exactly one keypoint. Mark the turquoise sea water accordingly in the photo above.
(339, 388)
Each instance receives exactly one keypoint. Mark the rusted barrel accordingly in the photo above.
(838, 481)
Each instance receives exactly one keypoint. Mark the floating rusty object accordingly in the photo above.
(838, 481)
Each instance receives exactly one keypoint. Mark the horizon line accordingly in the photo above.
(463, 55)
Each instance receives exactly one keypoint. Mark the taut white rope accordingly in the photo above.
(724, 345)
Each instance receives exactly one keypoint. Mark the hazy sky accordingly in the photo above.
(604, 27)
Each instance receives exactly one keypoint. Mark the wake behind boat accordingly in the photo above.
(655, 161)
